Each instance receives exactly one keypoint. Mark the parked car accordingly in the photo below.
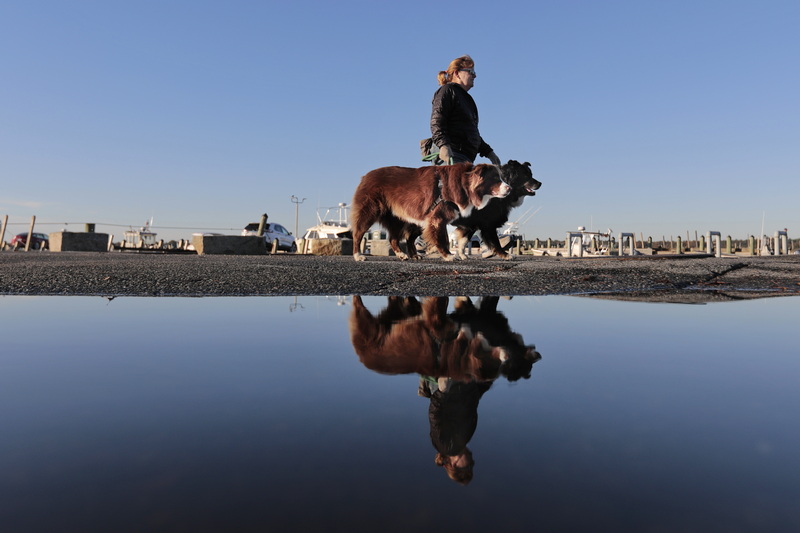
(273, 233)
(40, 241)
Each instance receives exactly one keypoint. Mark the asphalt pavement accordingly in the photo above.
(684, 278)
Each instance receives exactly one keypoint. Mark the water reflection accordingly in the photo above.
(458, 356)
(256, 414)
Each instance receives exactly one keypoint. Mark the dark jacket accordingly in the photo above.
(454, 415)
(454, 122)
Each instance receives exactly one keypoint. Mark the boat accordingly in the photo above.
(332, 223)
(141, 238)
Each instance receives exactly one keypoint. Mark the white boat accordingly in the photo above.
(334, 224)
(141, 238)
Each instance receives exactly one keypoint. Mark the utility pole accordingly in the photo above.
(296, 201)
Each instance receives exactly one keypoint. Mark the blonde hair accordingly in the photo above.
(457, 64)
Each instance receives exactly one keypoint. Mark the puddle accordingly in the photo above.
(310, 413)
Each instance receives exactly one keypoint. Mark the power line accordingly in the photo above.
(38, 223)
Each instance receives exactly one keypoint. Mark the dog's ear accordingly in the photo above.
(478, 171)
(475, 176)
(527, 164)
(495, 172)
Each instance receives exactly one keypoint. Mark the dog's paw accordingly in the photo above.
(461, 302)
(358, 257)
(448, 257)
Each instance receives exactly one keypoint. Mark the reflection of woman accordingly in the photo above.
(453, 416)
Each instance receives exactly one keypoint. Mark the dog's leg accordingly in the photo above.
(361, 220)
(492, 241)
(463, 305)
(412, 233)
(395, 244)
(488, 305)
(396, 230)
(436, 232)
(463, 236)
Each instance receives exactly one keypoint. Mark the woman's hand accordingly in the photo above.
(445, 154)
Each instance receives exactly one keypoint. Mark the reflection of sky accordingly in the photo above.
(165, 399)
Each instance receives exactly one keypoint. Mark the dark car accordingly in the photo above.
(40, 241)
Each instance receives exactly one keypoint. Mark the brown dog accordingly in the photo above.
(429, 197)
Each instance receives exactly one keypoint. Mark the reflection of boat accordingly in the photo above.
(141, 238)
(334, 224)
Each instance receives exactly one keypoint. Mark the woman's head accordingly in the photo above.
(459, 468)
(461, 71)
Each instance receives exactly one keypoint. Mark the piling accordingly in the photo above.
(574, 240)
(3, 231)
(629, 238)
(262, 225)
(717, 243)
(30, 234)
(781, 243)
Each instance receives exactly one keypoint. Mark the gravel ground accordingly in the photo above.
(652, 278)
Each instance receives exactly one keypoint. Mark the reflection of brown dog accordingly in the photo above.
(428, 197)
(429, 343)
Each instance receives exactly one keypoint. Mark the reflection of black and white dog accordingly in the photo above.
(487, 321)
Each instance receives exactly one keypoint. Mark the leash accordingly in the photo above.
(437, 192)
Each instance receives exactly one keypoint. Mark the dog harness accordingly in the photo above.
(438, 193)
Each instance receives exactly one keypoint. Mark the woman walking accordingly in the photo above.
(454, 117)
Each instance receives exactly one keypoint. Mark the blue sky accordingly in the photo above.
(652, 117)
